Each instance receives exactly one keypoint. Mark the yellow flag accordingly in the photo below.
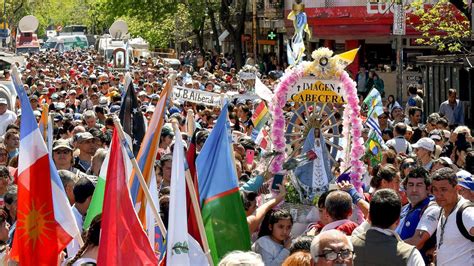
(346, 58)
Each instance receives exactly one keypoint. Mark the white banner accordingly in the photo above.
(247, 75)
(197, 96)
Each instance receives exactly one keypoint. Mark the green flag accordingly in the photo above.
(223, 213)
(97, 200)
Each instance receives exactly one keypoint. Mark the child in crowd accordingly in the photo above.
(274, 237)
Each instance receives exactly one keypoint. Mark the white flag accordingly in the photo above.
(263, 91)
(182, 249)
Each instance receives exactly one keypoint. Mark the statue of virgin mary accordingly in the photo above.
(313, 177)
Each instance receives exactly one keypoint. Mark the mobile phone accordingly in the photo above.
(249, 156)
(277, 180)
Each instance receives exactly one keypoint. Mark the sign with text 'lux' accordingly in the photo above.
(309, 89)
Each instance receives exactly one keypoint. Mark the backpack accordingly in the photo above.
(459, 223)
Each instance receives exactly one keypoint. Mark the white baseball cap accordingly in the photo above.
(3, 101)
(425, 143)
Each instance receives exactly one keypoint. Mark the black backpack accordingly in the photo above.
(459, 223)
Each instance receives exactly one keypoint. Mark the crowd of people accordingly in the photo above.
(415, 210)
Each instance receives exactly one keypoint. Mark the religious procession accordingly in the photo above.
(288, 152)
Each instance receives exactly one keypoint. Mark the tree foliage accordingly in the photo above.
(169, 29)
(232, 15)
(441, 25)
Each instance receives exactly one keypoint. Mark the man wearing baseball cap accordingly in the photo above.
(87, 148)
(424, 149)
(465, 184)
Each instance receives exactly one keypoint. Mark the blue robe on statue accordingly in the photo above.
(314, 177)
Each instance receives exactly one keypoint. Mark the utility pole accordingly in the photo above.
(254, 29)
(4, 41)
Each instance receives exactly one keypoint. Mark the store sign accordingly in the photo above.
(309, 89)
(399, 20)
(384, 7)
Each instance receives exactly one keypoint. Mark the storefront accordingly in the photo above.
(347, 24)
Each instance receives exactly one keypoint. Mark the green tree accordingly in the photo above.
(440, 26)
(232, 15)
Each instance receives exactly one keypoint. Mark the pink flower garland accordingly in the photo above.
(352, 123)
(276, 107)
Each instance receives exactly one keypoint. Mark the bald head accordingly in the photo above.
(330, 241)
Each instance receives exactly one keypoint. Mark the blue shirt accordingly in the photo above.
(410, 217)
(454, 115)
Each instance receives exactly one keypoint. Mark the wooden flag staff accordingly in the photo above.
(140, 177)
(197, 209)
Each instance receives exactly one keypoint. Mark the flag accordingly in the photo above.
(97, 201)
(147, 154)
(191, 155)
(374, 148)
(131, 118)
(43, 122)
(45, 223)
(259, 118)
(122, 241)
(222, 210)
(46, 127)
(181, 246)
(346, 58)
(262, 90)
(374, 102)
(263, 139)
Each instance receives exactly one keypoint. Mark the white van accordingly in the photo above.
(64, 43)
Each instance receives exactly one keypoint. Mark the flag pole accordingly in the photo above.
(197, 209)
(140, 177)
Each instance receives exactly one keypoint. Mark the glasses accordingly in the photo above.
(3, 154)
(331, 255)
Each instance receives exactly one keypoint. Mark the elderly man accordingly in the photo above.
(7, 117)
(332, 247)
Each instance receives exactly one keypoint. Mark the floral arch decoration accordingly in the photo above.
(324, 66)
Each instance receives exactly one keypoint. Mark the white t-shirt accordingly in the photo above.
(429, 219)
(455, 249)
(6, 119)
